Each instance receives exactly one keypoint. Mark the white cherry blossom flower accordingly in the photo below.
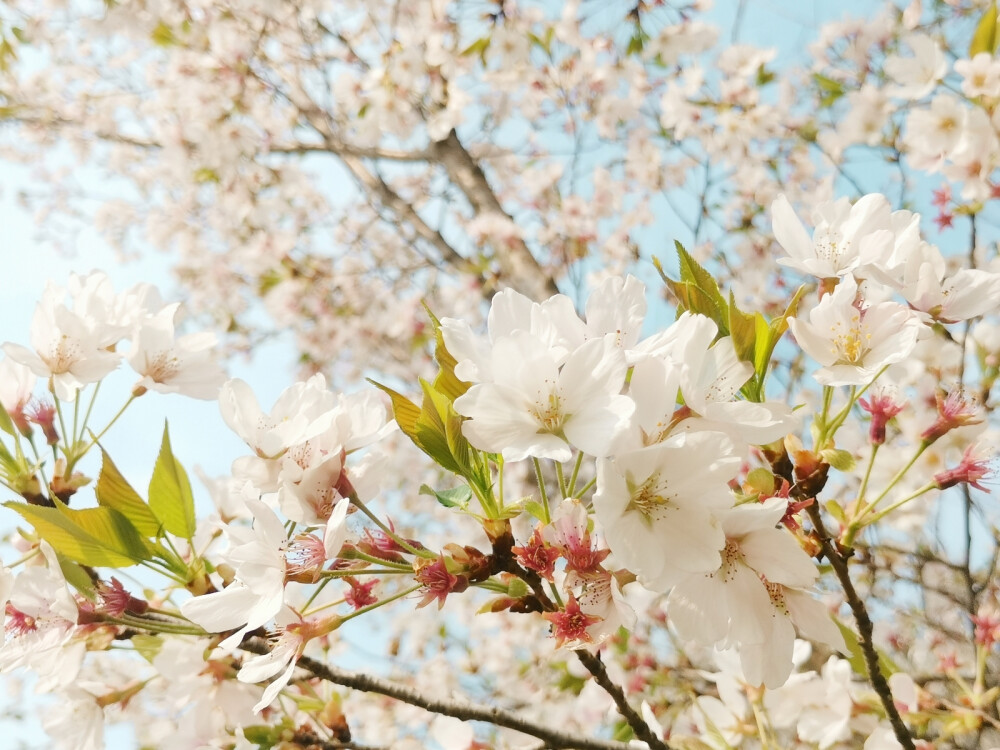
(17, 383)
(753, 600)
(301, 412)
(553, 321)
(257, 593)
(658, 505)
(536, 408)
(66, 349)
(617, 308)
(76, 722)
(169, 364)
(845, 237)
(968, 293)
(917, 75)
(980, 75)
(853, 343)
(280, 661)
(40, 617)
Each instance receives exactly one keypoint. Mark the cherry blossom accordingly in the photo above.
(853, 342)
(536, 408)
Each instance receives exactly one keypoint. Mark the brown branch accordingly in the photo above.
(389, 198)
(865, 629)
(457, 709)
(639, 726)
(330, 145)
(517, 265)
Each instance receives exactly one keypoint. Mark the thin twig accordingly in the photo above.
(457, 709)
(865, 629)
(641, 729)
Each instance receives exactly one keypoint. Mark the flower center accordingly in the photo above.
(852, 344)
(162, 366)
(650, 499)
(548, 412)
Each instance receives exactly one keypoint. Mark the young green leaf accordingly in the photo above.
(114, 491)
(99, 537)
(459, 497)
(6, 423)
(985, 37)
(742, 329)
(405, 412)
(170, 496)
(77, 577)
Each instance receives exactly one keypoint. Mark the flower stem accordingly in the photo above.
(546, 517)
(356, 501)
(576, 472)
(381, 602)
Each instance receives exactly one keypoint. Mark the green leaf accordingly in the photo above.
(459, 497)
(838, 458)
(405, 412)
(830, 90)
(170, 496)
(438, 441)
(147, 645)
(77, 577)
(6, 423)
(767, 340)
(834, 509)
(985, 37)
(536, 509)
(856, 657)
(114, 491)
(204, 175)
(477, 48)
(163, 36)
(446, 381)
(692, 299)
(743, 330)
(692, 272)
(697, 291)
(99, 537)
(761, 481)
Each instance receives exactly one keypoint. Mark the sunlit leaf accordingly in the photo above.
(170, 496)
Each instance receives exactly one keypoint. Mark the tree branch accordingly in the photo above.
(389, 198)
(641, 729)
(457, 709)
(865, 629)
(517, 264)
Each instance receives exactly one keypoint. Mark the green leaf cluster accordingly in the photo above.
(753, 336)
(123, 530)
(436, 429)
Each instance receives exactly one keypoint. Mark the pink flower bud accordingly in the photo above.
(44, 415)
(970, 470)
(957, 409)
(883, 405)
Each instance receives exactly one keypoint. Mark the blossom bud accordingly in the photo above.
(538, 556)
(44, 415)
(115, 600)
(970, 470)
(987, 626)
(883, 405)
(957, 409)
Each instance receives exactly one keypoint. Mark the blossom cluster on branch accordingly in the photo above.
(769, 522)
(664, 480)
